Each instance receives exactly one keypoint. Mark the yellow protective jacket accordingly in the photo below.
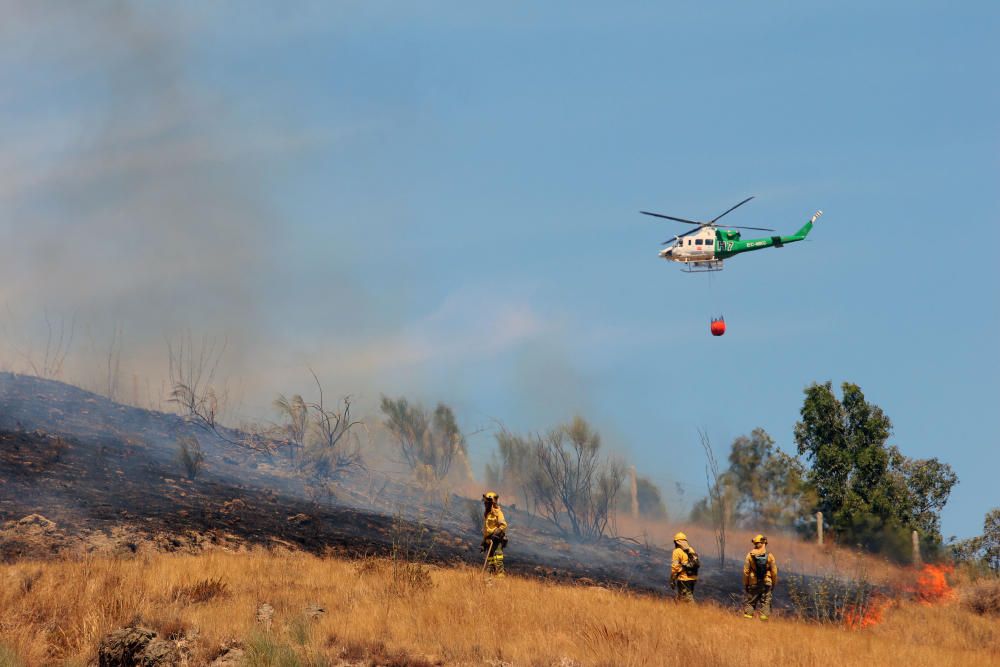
(493, 522)
(750, 572)
(677, 572)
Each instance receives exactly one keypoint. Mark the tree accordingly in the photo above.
(651, 505)
(771, 491)
(650, 499)
(991, 540)
(574, 487)
(871, 494)
(516, 466)
(929, 483)
(982, 550)
(429, 443)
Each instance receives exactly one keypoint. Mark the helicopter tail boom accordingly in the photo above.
(806, 228)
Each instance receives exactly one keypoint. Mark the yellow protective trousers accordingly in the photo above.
(494, 562)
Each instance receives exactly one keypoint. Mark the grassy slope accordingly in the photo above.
(55, 613)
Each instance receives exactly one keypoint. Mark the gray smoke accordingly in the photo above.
(127, 202)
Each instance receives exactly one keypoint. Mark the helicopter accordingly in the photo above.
(705, 247)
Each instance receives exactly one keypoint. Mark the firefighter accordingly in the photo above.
(684, 569)
(494, 533)
(760, 575)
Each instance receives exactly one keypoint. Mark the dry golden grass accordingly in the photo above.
(56, 612)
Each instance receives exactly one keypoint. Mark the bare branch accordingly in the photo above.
(572, 484)
(717, 496)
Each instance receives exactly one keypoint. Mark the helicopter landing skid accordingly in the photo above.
(702, 267)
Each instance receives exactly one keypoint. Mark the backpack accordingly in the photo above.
(692, 564)
(760, 566)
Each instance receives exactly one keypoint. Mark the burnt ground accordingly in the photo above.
(79, 474)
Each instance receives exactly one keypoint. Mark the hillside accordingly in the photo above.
(94, 476)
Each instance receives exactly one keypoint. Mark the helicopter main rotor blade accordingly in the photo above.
(670, 217)
(733, 209)
(680, 236)
(759, 229)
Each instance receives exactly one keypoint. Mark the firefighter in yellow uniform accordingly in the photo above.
(494, 533)
(760, 575)
(683, 569)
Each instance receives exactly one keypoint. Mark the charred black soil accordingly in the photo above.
(80, 473)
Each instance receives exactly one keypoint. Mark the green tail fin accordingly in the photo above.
(806, 228)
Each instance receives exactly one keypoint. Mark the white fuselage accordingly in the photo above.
(697, 247)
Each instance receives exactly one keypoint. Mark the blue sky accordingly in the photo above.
(442, 200)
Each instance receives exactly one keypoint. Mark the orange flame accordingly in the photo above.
(932, 585)
(866, 616)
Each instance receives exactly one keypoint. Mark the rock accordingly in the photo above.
(122, 648)
(231, 657)
(33, 536)
(136, 647)
(314, 611)
(265, 613)
(159, 652)
(299, 519)
(36, 522)
(234, 505)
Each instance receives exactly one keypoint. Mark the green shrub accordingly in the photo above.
(264, 650)
(8, 658)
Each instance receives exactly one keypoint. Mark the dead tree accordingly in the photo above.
(575, 489)
(114, 360)
(718, 498)
(58, 341)
(192, 370)
(333, 450)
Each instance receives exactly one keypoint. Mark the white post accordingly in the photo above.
(819, 528)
